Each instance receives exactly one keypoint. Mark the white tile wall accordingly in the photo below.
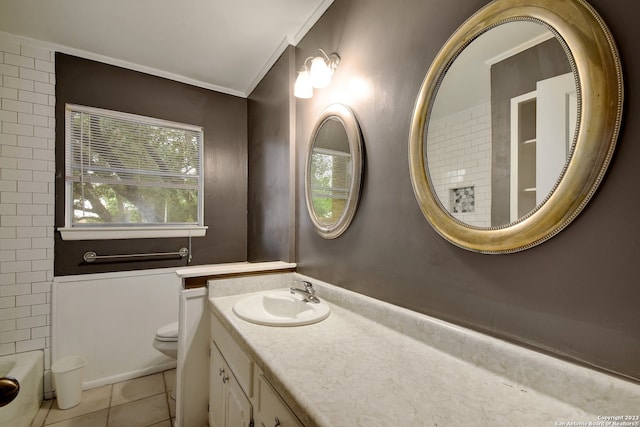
(459, 155)
(27, 124)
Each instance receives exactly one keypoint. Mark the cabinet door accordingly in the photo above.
(217, 374)
(237, 405)
(272, 411)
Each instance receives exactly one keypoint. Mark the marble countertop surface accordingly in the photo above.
(353, 370)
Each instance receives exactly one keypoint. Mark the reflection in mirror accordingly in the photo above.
(330, 172)
(334, 169)
(502, 125)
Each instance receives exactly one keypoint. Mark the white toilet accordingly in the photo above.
(166, 342)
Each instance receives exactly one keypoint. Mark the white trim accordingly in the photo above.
(233, 267)
(515, 147)
(286, 41)
(115, 274)
(313, 18)
(99, 382)
(121, 63)
(520, 48)
(132, 117)
(268, 65)
(193, 361)
(151, 232)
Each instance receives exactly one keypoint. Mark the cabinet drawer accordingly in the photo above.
(240, 364)
(272, 411)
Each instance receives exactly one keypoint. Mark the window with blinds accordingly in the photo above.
(127, 170)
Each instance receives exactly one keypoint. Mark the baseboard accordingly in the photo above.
(128, 375)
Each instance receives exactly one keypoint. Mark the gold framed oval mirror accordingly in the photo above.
(515, 123)
(334, 171)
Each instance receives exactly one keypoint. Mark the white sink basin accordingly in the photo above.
(280, 308)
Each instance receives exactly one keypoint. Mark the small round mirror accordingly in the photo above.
(334, 170)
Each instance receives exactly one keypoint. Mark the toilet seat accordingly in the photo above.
(168, 333)
(166, 342)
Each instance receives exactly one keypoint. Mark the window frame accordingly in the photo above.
(133, 231)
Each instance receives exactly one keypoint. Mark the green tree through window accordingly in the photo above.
(124, 169)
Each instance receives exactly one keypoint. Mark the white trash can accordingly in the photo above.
(67, 379)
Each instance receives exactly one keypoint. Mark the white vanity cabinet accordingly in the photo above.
(269, 409)
(228, 404)
(230, 380)
(239, 394)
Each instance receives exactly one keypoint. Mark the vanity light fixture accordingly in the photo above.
(316, 75)
(303, 88)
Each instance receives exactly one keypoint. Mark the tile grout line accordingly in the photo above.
(106, 424)
(109, 407)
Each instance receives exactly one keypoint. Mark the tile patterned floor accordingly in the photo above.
(141, 402)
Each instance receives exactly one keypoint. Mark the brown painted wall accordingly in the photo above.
(576, 295)
(270, 105)
(224, 118)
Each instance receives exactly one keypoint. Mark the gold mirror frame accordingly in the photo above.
(597, 68)
(345, 116)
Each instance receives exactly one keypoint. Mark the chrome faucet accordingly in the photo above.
(308, 293)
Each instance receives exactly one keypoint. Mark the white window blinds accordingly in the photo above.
(127, 169)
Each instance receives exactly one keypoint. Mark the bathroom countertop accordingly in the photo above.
(351, 370)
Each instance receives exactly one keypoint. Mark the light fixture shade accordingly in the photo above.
(320, 73)
(303, 88)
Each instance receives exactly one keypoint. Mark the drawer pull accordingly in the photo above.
(225, 378)
(277, 424)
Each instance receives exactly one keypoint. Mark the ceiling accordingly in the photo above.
(468, 81)
(223, 45)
